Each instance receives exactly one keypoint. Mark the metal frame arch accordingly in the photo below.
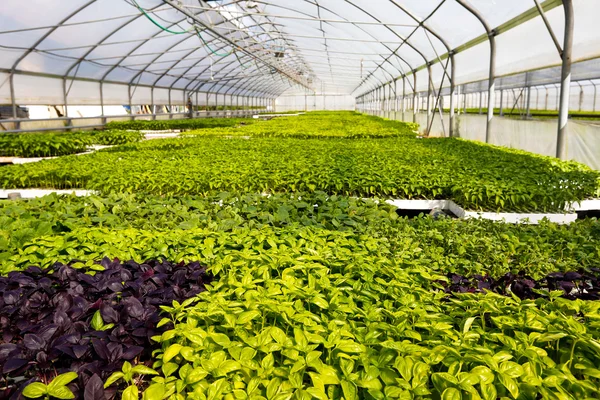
(423, 24)
(105, 38)
(34, 47)
(492, 74)
(404, 40)
(328, 23)
(198, 88)
(213, 40)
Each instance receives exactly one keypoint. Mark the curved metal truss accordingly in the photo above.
(262, 48)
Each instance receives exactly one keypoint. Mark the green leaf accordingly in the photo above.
(228, 367)
(169, 369)
(62, 380)
(196, 375)
(156, 391)
(451, 394)
(220, 339)
(35, 390)
(143, 370)
(349, 390)
(484, 373)
(268, 362)
(131, 393)
(97, 321)
(115, 376)
(348, 346)
(511, 369)
(246, 317)
(510, 384)
(488, 392)
(468, 324)
(61, 392)
(317, 393)
(171, 352)
(278, 335)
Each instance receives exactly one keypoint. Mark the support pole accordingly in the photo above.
(595, 95)
(415, 98)
(501, 103)
(429, 94)
(403, 96)
(65, 100)
(563, 113)
(170, 106)
(528, 101)
(102, 103)
(396, 105)
(452, 94)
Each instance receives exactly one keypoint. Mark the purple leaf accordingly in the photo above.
(134, 308)
(101, 349)
(94, 389)
(13, 364)
(132, 352)
(34, 342)
(109, 314)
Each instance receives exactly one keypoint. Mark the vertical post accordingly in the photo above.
(396, 107)
(152, 103)
(102, 104)
(528, 104)
(595, 95)
(403, 96)
(170, 106)
(563, 113)
(415, 98)
(501, 102)
(65, 94)
(13, 99)
(217, 104)
(452, 94)
(580, 95)
(429, 94)
(129, 95)
(305, 102)
(459, 96)
(547, 95)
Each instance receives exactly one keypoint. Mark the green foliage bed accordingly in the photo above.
(55, 144)
(320, 290)
(397, 165)
(322, 124)
(178, 124)
(334, 297)
(58, 224)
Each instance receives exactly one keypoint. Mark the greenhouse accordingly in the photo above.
(296, 200)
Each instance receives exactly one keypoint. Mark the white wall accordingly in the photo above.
(326, 102)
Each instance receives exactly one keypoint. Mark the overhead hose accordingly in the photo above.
(211, 50)
(181, 32)
(241, 64)
(156, 23)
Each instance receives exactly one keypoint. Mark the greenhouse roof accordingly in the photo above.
(262, 48)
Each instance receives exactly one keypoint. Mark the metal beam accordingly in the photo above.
(563, 112)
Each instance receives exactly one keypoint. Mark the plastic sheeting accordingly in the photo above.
(346, 46)
(327, 102)
(583, 138)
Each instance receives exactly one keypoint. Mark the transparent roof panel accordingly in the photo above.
(348, 46)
